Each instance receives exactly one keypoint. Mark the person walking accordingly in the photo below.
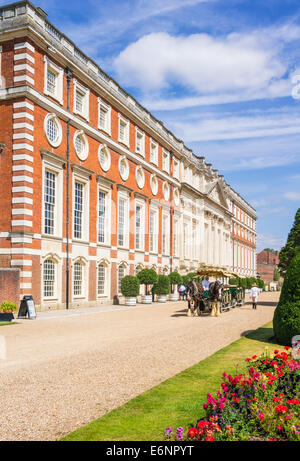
(182, 292)
(254, 293)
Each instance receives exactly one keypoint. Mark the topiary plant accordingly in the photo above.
(175, 279)
(8, 306)
(286, 321)
(162, 286)
(130, 286)
(147, 277)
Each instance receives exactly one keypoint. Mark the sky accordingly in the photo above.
(223, 75)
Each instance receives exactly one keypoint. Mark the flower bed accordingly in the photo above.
(261, 404)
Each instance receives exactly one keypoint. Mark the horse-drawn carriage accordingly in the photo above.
(200, 301)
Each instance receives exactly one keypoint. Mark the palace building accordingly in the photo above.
(93, 182)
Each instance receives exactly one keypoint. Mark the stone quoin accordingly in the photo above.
(138, 197)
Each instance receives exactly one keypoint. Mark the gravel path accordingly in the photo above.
(63, 372)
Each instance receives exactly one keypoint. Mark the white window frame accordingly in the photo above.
(107, 164)
(124, 196)
(155, 212)
(153, 179)
(125, 267)
(82, 178)
(59, 72)
(124, 121)
(55, 285)
(81, 155)
(104, 263)
(107, 226)
(139, 170)
(166, 161)
(141, 204)
(176, 168)
(55, 167)
(166, 191)
(55, 119)
(84, 284)
(107, 127)
(125, 176)
(141, 134)
(165, 236)
(154, 144)
(175, 236)
(85, 101)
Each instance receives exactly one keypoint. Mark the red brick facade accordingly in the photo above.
(10, 285)
(138, 190)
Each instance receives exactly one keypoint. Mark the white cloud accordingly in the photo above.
(269, 241)
(292, 196)
(200, 62)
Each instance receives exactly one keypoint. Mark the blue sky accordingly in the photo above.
(219, 74)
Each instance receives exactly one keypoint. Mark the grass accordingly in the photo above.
(177, 401)
(2, 324)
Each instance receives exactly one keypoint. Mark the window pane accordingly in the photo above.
(77, 279)
(101, 217)
(121, 273)
(49, 278)
(49, 203)
(78, 210)
(51, 81)
(121, 222)
(138, 227)
(101, 279)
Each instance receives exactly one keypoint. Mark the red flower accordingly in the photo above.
(276, 351)
(261, 416)
(254, 356)
(281, 409)
(279, 428)
(286, 348)
(192, 432)
(248, 360)
(210, 438)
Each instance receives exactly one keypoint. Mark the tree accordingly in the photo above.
(162, 286)
(175, 279)
(147, 277)
(276, 275)
(130, 286)
(286, 321)
(293, 242)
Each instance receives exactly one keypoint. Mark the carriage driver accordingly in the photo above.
(206, 282)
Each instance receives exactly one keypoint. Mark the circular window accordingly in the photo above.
(104, 157)
(53, 130)
(140, 177)
(166, 191)
(81, 145)
(124, 168)
(176, 196)
(154, 184)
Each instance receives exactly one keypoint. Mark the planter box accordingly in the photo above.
(162, 298)
(147, 299)
(130, 301)
(174, 297)
(6, 317)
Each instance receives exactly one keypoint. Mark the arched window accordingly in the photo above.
(121, 274)
(101, 279)
(78, 279)
(49, 278)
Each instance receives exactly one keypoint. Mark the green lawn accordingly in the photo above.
(2, 324)
(177, 401)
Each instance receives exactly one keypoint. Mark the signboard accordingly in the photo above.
(27, 308)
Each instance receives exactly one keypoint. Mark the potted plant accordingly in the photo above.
(6, 311)
(130, 288)
(162, 288)
(147, 277)
(175, 279)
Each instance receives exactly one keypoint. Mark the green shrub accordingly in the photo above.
(175, 279)
(234, 281)
(286, 322)
(8, 306)
(162, 286)
(147, 277)
(130, 286)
